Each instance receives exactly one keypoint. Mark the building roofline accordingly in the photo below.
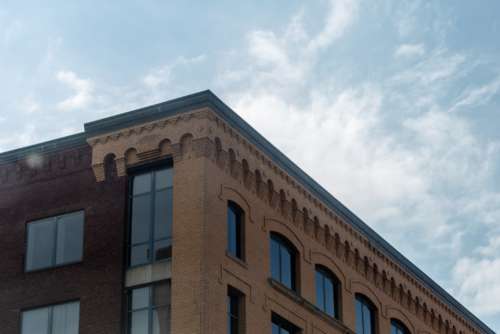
(208, 99)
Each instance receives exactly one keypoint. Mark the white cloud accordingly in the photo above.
(29, 105)
(83, 88)
(477, 284)
(409, 50)
(163, 75)
(478, 95)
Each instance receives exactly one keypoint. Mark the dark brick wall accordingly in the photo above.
(63, 182)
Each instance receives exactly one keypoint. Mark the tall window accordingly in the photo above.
(55, 319)
(283, 261)
(365, 315)
(149, 309)
(327, 292)
(282, 326)
(235, 300)
(151, 217)
(54, 241)
(235, 228)
(397, 327)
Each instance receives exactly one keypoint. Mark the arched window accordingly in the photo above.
(365, 315)
(397, 327)
(283, 261)
(327, 291)
(235, 230)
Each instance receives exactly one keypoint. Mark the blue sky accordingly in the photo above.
(392, 105)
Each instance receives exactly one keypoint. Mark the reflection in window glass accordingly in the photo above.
(56, 319)
(326, 291)
(149, 310)
(55, 241)
(365, 316)
(283, 261)
(235, 223)
(151, 217)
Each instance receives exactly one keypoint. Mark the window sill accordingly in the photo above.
(309, 306)
(62, 265)
(237, 260)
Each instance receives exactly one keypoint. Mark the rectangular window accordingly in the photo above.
(282, 326)
(151, 216)
(56, 319)
(235, 228)
(149, 309)
(55, 241)
(235, 305)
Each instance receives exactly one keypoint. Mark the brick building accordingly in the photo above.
(180, 218)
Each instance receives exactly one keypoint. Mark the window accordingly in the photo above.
(235, 304)
(56, 319)
(54, 241)
(365, 315)
(327, 292)
(151, 217)
(149, 309)
(283, 261)
(397, 327)
(282, 326)
(235, 228)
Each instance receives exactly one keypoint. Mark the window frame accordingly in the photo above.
(150, 308)
(365, 301)
(283, 242)
(240, 230)
(136, 170)
(239, 298)
(283, 323)
(55, 219)
(328, 274)
(400, 326)
(51, 313)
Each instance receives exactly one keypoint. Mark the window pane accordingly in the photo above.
(140, 298)
(163, 178)
(329, 296)
(41, 243)
(163, 214)
(163, 249)
(367, 319)
(286, 267)
(161, 294)
(139, 254)
(276, 329)
(161, 320)
(141, 219)
(394, 329)
(275, 260)
(320, 297)
(359, 317)
(231, 231)
(69, 238)
(35, 321)
(142, 183)
(139, 322)
(65, 318)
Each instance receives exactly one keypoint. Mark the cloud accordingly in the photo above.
(477, 284)
(163, 75)
(409, 50)
(83, 89)
(478, 95)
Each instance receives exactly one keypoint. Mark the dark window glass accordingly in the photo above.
(282, 326)
(149, 309)
(234, 311)
(326, 291)
(365, 316)
(55, 241)
(283, 261)
(151, 217)
(57, 319)
(397, 327)
(235, 225)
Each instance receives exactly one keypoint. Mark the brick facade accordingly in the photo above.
(213, 162)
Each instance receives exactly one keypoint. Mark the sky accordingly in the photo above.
(391, 105)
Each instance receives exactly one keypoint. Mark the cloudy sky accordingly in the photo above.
(394, 106)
